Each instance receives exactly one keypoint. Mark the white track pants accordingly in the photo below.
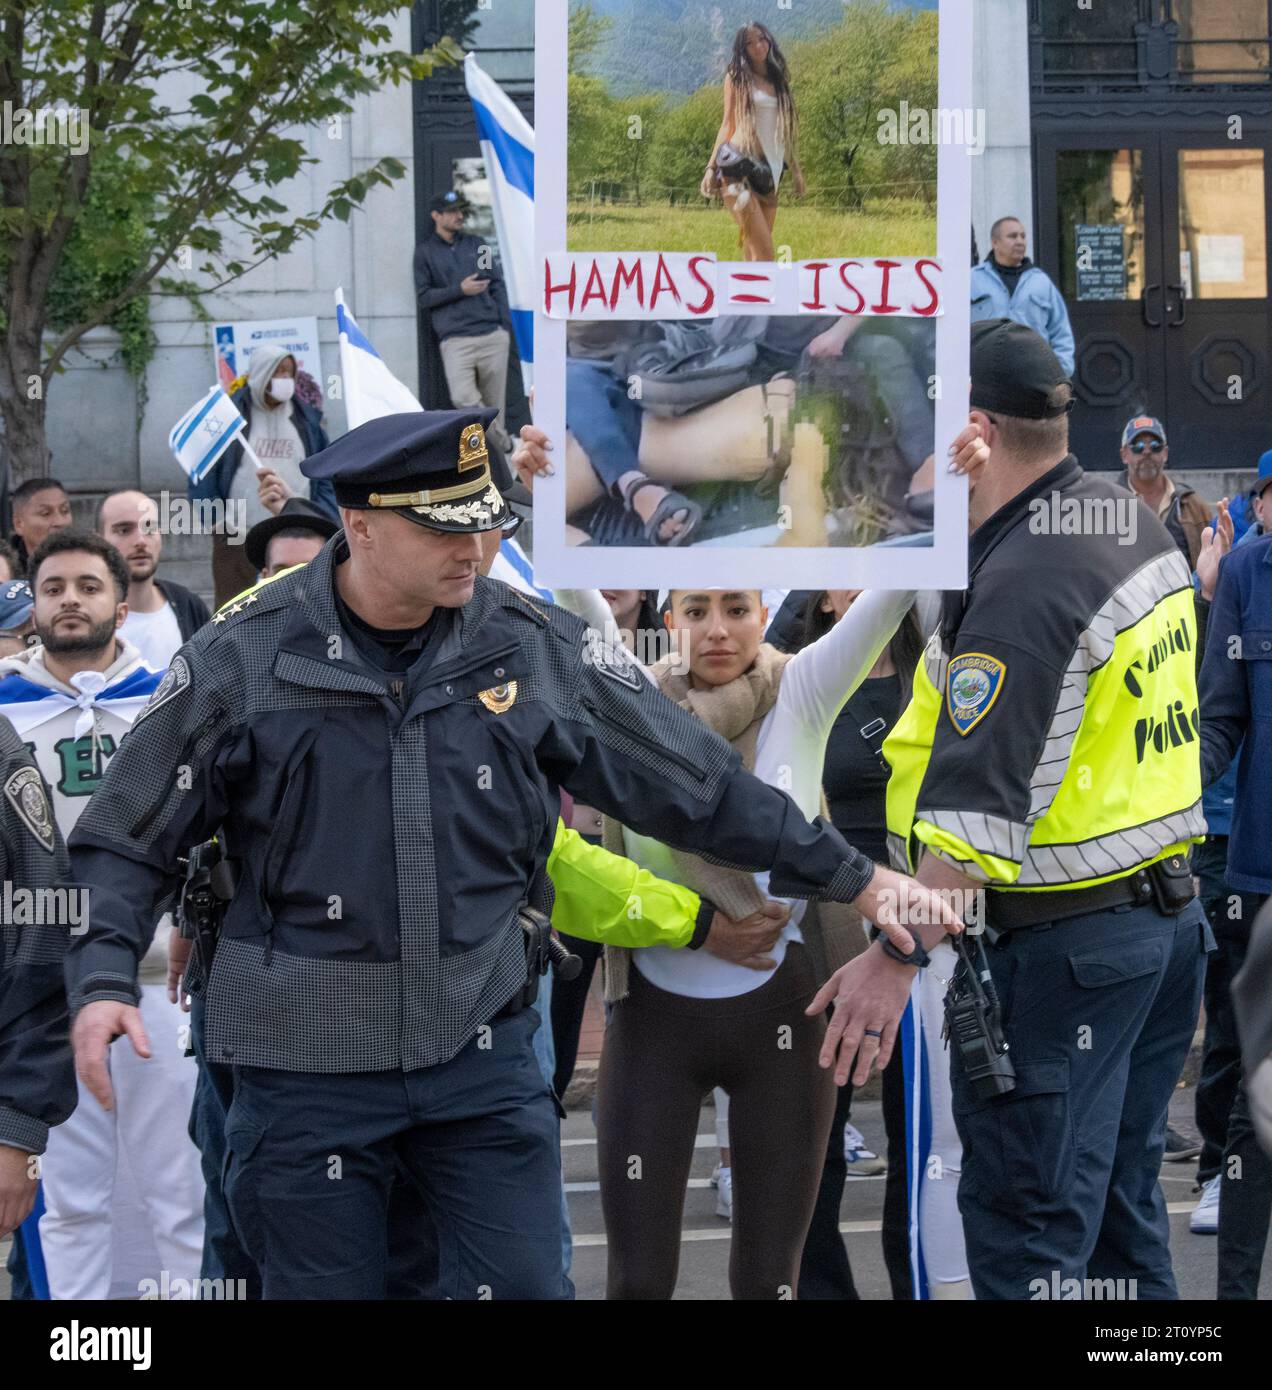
(123, 1188)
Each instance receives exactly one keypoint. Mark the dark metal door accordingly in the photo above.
(1100, 234)
(1215, 233)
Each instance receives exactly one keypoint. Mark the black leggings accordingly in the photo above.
(663, 1053)
(825, 1272)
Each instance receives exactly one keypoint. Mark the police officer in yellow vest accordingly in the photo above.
(1049, 757)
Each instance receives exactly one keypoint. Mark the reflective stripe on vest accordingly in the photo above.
(1117, 783)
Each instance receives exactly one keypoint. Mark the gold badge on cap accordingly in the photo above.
(472, 447)
(499, 697)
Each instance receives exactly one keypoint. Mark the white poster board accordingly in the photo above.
(232, 344)
(659, 289)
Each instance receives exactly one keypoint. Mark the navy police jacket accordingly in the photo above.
(387, 831)
(37, 1078)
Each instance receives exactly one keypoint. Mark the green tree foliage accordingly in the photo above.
(877, 58)
(194, 116)
(588, 33)
(682, 141)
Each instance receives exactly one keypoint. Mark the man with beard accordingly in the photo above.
(1171, 500)
(72, 700)
(162, 615)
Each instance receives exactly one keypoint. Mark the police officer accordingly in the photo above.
(380, 735)
(1049, 756)
(37, 1079)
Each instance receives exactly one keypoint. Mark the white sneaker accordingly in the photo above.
(1204, 1220)
(722, 1180)
(861, 1162)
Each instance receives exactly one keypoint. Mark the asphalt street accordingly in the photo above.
(705, 1240)
(704, 1252)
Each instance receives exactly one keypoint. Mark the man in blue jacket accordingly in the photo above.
(1007, 285)
(1236, 705)
(456, 281)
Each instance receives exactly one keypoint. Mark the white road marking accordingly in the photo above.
(848, 1228)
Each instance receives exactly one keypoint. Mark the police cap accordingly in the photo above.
(1015, 372)
(430, 466)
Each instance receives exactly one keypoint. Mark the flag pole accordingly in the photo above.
(251, 453)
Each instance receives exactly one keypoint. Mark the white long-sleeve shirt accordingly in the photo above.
(790, 751)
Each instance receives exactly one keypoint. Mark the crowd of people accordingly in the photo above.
(377, 739)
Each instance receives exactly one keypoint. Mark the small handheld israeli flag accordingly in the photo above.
(204, 433)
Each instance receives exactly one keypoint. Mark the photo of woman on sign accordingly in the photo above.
(756, 140)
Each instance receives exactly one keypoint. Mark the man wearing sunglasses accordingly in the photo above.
(1172, 501)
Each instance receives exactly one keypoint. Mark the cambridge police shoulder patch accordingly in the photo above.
(972, 685)
(25, 791)
(176, 679)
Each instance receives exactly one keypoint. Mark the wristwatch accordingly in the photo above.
(918, 957)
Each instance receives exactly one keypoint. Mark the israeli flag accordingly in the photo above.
(507, 146)
(204, 433)
(370, 389)
(513, 566)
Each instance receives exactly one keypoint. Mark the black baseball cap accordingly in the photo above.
(1014, 372)
(450, 201)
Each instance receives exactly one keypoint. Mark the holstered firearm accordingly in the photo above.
(207, 890)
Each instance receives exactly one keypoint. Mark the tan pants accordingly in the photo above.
(477, 374)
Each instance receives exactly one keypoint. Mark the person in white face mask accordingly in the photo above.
(282, 430)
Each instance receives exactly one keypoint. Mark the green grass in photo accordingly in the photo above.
(891, 228)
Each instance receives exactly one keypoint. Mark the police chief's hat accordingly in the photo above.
(297, 514)
(1015, 373)
(430, 466)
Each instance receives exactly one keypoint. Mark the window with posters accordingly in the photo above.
(752, 322)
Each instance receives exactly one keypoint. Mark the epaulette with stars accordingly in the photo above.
(249, 596)
(235, 606)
